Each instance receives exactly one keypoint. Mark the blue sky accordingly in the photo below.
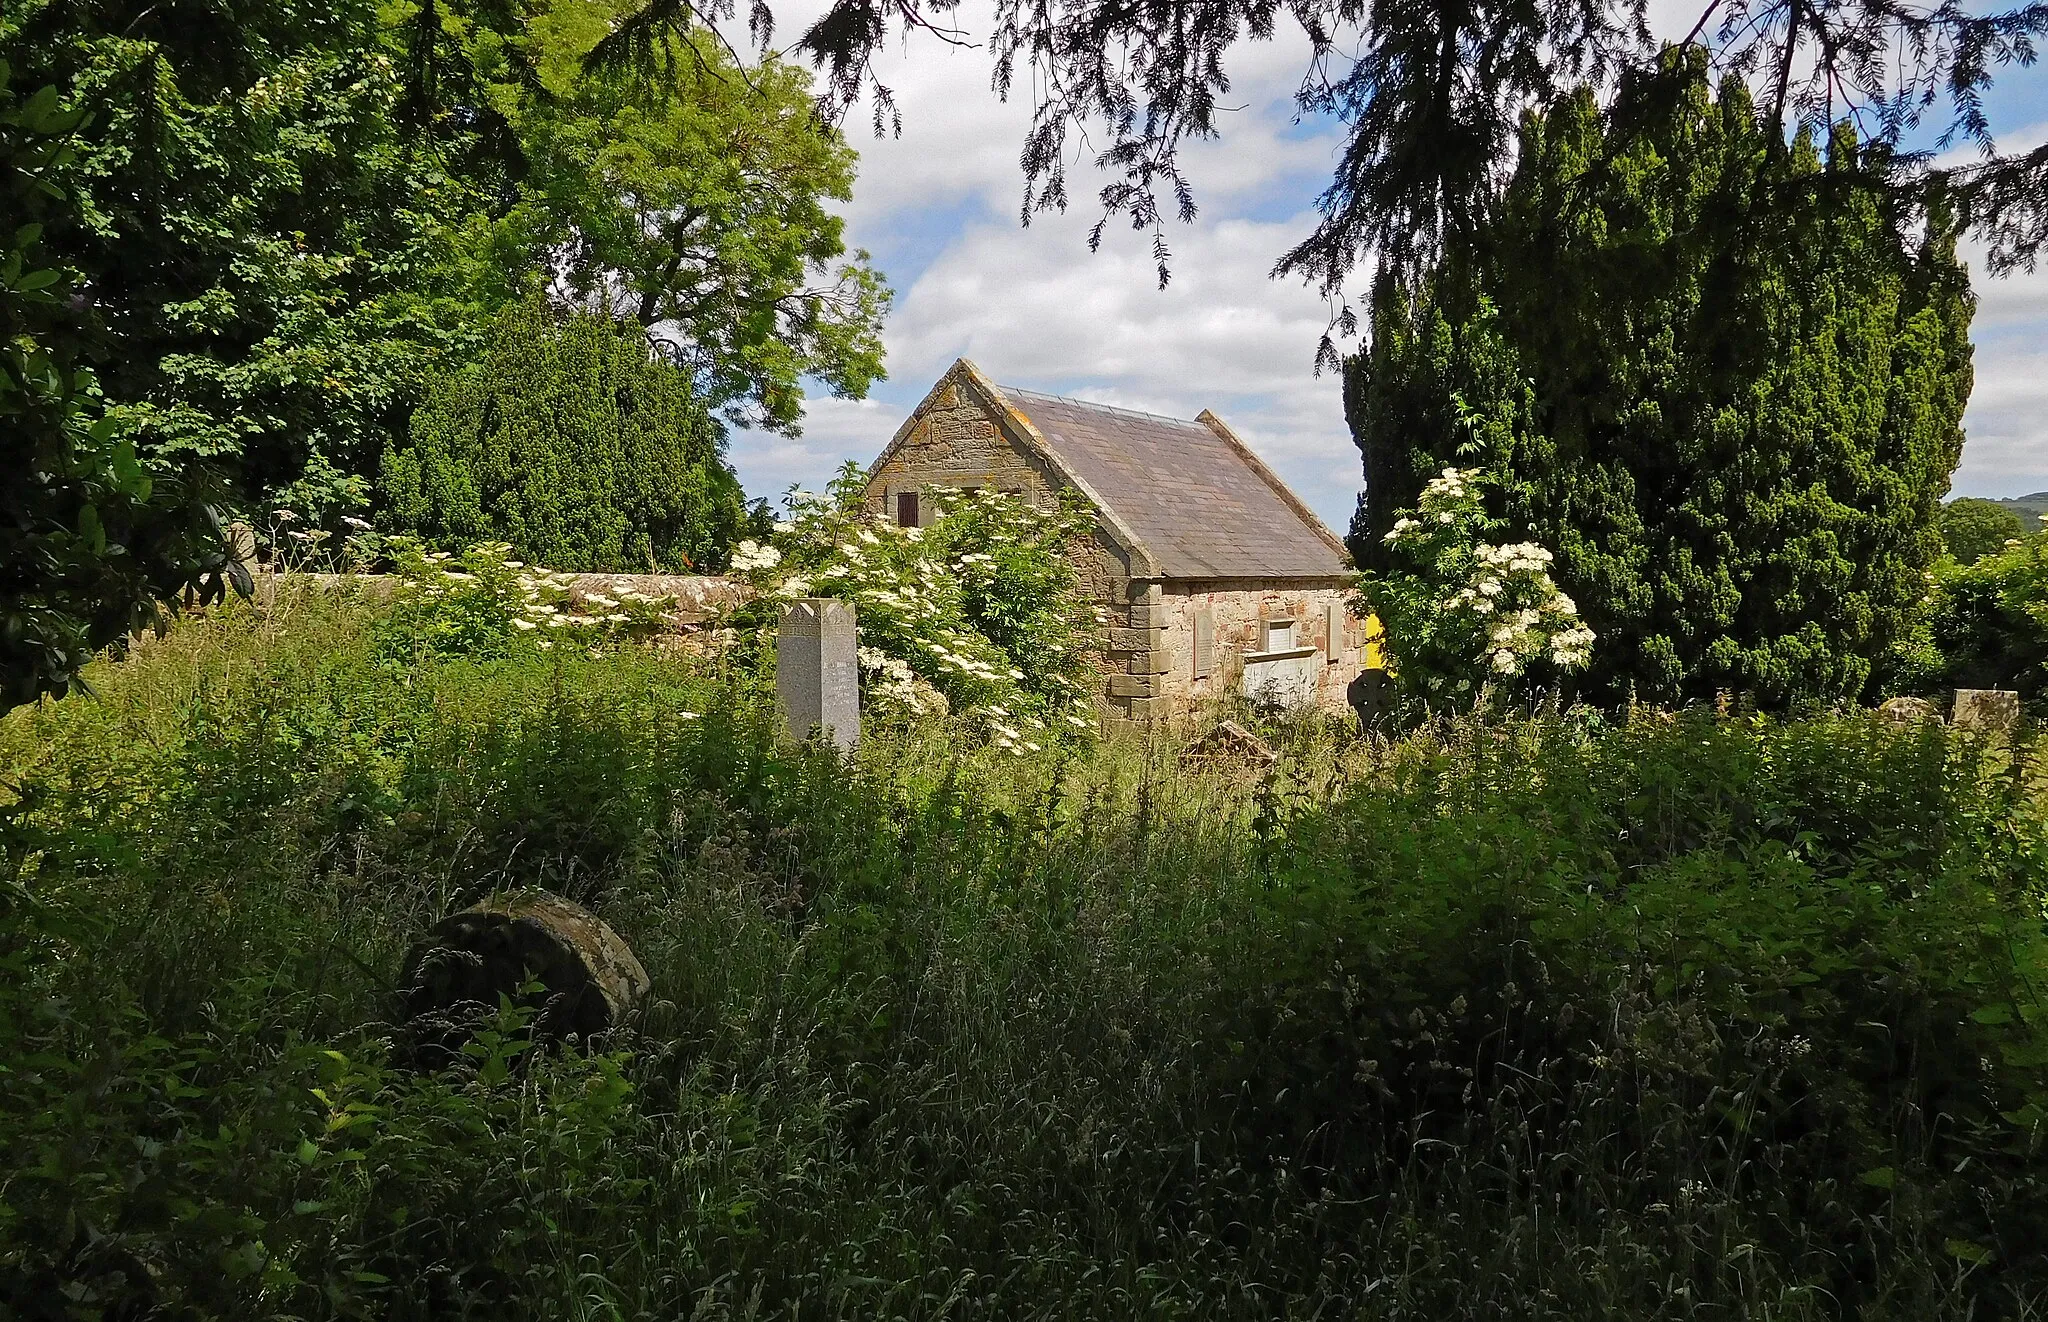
(938, 209)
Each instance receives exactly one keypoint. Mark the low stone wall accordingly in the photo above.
(697, 597)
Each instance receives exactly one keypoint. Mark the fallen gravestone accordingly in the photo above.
(589, 981)
(1228, 743)
(1909, 711)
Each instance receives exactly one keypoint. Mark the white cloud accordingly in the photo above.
(2006, 425)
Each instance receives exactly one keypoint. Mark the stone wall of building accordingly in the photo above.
(1180, 643)
(958, 442)
(1149, 651)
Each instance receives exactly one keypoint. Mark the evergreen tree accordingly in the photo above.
(575, 443)
(1717, 374)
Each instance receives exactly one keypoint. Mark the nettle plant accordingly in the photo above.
(1465, 615)
(485, 604)
(976, 613)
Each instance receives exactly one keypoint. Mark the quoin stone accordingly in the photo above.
(817, 671)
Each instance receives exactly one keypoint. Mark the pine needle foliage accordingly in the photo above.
(1720, 375)
(577, 445)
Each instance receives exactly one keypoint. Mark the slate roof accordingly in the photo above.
(1202, 504)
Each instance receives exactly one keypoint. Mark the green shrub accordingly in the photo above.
(1986, 622)
(978, 612)
(1715, 372)
(572, 441)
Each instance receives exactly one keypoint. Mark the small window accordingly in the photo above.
(1205, 642)
(906, 509)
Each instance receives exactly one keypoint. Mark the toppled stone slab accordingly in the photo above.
(1988, 711)
(1909, 711)
(1231, 742)
(589, 980)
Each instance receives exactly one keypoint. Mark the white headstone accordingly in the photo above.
(817, 671)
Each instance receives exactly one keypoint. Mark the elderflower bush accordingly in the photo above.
(976, 613)
(485, 604)
(1464, 614)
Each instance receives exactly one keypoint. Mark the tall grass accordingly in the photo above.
(1672, 1018)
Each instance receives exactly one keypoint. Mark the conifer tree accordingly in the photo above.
(575, 443)
(1716, 372)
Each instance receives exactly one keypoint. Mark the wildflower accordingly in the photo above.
(284, 516)
(524, 624)
(361, 525)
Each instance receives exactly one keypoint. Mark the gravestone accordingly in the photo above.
(817, 671)
(1993, 711)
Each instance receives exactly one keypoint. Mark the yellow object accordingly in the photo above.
(1375, 643)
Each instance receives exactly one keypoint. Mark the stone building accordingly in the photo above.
(1216, 576)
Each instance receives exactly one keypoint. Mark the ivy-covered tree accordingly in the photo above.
(94, 542)
(270, 251)
(1722, 380)
(574, 442)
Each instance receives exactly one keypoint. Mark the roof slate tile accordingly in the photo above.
(1190, 495)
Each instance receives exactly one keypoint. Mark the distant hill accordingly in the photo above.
(2029, 508)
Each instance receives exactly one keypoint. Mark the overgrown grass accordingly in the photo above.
(1676, 1017)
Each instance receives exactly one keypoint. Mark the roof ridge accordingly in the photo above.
(1095, 404)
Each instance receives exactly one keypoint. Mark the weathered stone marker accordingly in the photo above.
(1994, 711)
(1909, 711)
(817, 671)
(590, 982)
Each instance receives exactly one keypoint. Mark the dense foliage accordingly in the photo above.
(978, 613)
(290, 218)
(94, 542)
(571, 439)
(1548, 1020)
(1464, 616)
(266, 247)
(698, 203)
(1722, 381)
(1985, 624)
(1971, 528)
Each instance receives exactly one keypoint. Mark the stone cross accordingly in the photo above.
(817, 671)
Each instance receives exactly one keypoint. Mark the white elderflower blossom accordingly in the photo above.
(751, 555)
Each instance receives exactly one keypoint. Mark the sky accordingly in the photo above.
(938, 209)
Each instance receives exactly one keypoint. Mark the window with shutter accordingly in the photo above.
(906, 509)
